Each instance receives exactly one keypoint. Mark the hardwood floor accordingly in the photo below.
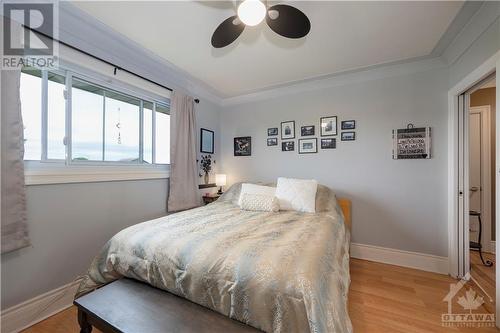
(382, 298)
(484, 275)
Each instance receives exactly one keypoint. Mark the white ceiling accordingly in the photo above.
(344, 36)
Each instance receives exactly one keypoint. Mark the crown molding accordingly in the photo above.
(483, 18)
(87, 33)
(375, 72)
(465, 14)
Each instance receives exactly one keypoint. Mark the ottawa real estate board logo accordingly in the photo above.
(466, 307)
(29, 31)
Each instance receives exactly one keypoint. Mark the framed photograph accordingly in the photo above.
(348, 124)
(307, 130)
(206, 141)
(328, 126)
(243, 146)
(288, 130)
(288, 146)
(272, 141)
(329, 143)
(272, 131)
(348, 136)
(308, 146)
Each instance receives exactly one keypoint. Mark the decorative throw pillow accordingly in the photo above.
(259, 202)
(297, 194)
(255, 189)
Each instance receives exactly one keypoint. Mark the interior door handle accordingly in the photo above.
(474, 189)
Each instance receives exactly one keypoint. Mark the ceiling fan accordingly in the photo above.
(285, 20)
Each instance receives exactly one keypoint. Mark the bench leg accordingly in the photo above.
(85, 327)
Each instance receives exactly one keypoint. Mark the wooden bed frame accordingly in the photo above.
(143, 308)
(345, 205)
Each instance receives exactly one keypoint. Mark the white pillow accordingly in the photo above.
(297, 194)
(255, 189)
(259, 202)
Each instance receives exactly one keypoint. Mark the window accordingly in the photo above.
(31, 104)
(162, 133)
(56, 117)
(106, 125)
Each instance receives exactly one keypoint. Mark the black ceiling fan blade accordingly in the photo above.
(290, 22)
(227, 32)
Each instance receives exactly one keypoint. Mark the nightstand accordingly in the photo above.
(210, 198)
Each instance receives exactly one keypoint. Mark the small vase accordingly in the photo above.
(207, 178)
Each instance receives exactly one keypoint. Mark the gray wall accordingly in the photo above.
(396, 203)
(69, 223)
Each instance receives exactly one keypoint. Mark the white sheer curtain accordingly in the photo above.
(183, 189)
(14, 228)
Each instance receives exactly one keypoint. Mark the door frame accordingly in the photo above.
(484, 70)
(456, 209)
(485, 191)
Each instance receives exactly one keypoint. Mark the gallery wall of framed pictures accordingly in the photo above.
(307, 142)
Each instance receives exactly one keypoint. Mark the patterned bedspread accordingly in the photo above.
(279, 272)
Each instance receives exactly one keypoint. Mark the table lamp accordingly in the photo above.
(220, 180)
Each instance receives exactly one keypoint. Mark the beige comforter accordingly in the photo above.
(279, 272)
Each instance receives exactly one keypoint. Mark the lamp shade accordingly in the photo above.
(220, 179)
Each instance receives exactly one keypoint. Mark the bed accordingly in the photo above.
(278, 272)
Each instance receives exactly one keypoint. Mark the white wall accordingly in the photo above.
(396, 203)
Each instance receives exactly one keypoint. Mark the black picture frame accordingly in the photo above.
(348, 124)
(288, 130)
(273, 131)
(287, 145)
(205, 134)
(313, 148)
(308, 130)
(327, 128)
(272, 141)
(329, 143)
(242, 146)
(348, 136)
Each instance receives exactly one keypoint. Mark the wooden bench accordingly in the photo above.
(130, 306)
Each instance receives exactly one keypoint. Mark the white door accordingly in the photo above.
(479, 174)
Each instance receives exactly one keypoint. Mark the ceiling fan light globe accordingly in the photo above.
(273, 14)
(251, 12)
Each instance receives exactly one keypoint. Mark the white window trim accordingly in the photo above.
(49, 171)
(45, 173)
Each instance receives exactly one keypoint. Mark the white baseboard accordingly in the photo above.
(492, 247)
(30, 312)
(424, 262)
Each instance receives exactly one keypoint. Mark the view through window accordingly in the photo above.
(106, 125)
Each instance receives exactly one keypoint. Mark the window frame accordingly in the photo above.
(52, 171)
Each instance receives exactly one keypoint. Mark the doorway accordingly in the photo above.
(458, 172)
(481, 187)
